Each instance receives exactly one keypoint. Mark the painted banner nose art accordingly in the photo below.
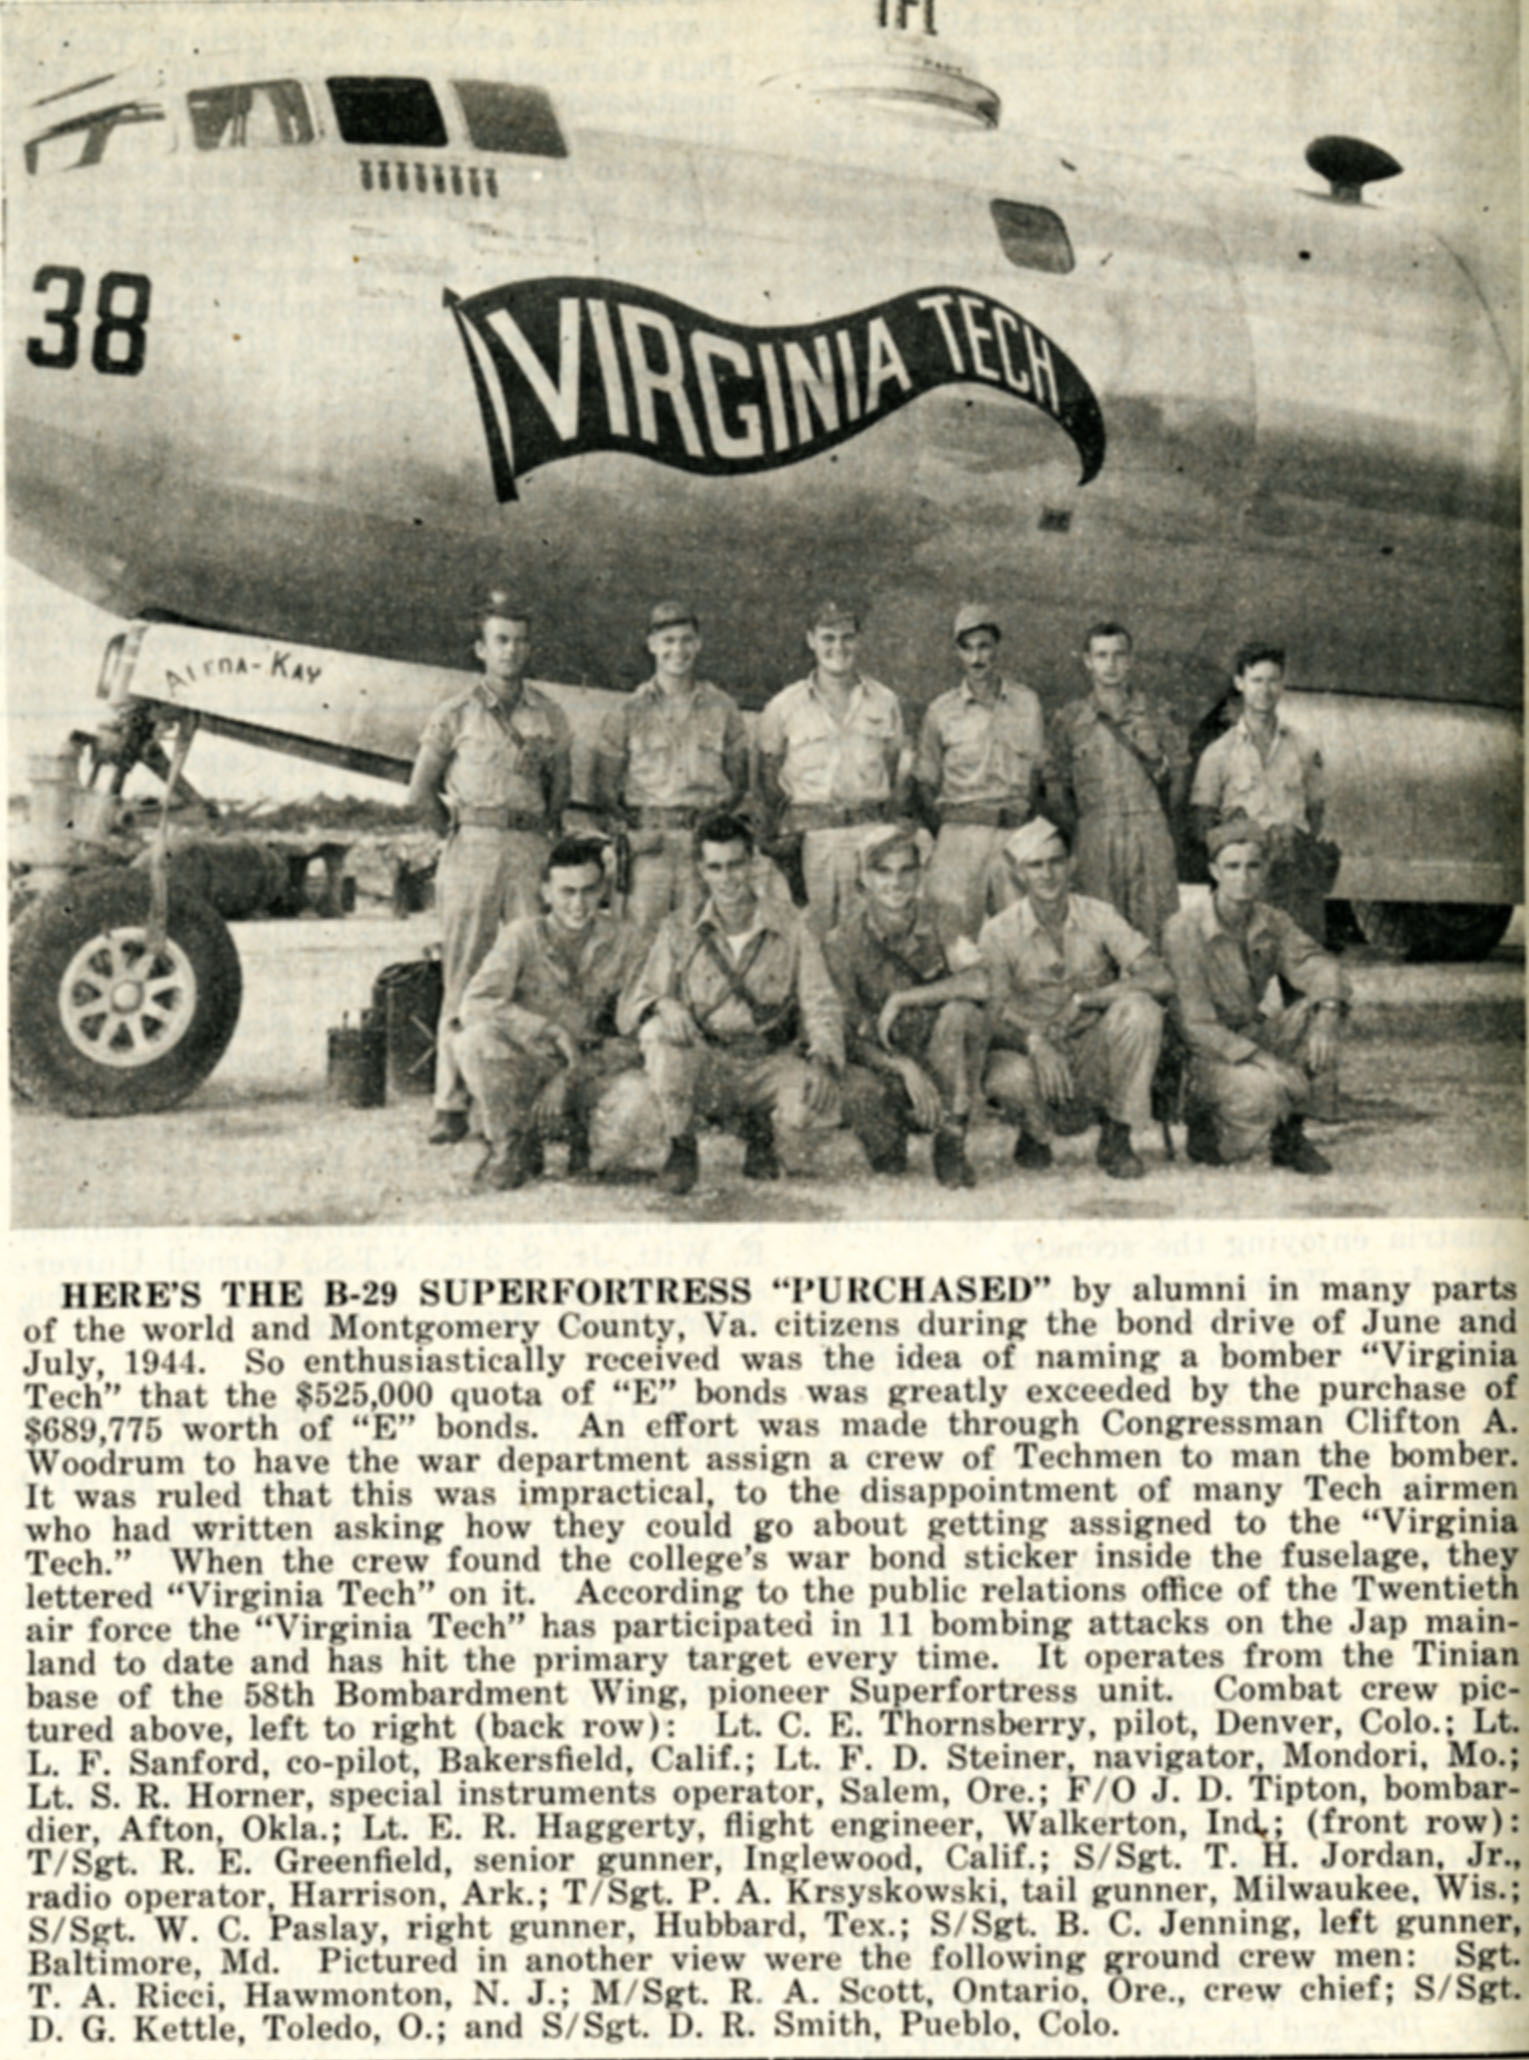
(567, 366)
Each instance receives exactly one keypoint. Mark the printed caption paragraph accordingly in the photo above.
(907, 1661)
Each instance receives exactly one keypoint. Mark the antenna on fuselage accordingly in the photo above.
(904, 68)
(1349, 164)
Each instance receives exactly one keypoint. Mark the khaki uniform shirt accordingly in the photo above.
(982, 753)
(781, 962)
(487, 758)
(676, 752)
(529, 981)
(1034, 975)
(1233, 777)
(825, 762)
(1221, 978)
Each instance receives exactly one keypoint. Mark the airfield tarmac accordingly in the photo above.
(1433, 1126)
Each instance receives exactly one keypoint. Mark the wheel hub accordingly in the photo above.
(123, 1004)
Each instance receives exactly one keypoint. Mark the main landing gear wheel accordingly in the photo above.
(100, 1024)
(1441, 930)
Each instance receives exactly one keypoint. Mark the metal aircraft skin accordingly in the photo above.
(266, 378)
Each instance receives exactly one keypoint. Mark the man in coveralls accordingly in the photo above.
(674, 751)
(978, 772)
(830, 753)
(1256, 1069)
(1121, 768)
(493, 776)
(722, 1009)
(915, 1027)
(537, 1042)
(1074, 1010)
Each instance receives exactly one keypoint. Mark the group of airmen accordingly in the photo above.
(999, 924)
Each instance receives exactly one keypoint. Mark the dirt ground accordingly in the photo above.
(1433, 1126)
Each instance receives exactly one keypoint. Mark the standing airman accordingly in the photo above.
(1267, 769)
(1121, 769)
(493, 774)
(674, 751)
(979, 770)
(830, 763)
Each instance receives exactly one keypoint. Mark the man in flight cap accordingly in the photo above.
(1256, 1069)
(978, 771)
(1074, 1009)
(914, 1023)
(673, 751)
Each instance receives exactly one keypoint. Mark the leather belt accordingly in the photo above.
(497, 819)
(984, 815)
(667, 818)
(829, 815)
(753, 1044)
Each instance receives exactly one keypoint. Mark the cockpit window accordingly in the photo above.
(514, 118)
(85, 138)
(1032, 237)
(397, 114)
(254, 117)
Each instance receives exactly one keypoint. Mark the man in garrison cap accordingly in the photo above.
(978, 771)
(493, 775)
(913, 1012)
(674, 751)
(830, 763)
(1074, 1009)
(1256, 1069)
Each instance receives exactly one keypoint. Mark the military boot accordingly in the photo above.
(1032, 1154)
(1291, 1148)
(760, 1161)
(578, 1149)
(449, 1127)
(1201, 1145)
(1114, 1151)
(504, 1167)
(682, 1168)
(952, 1168)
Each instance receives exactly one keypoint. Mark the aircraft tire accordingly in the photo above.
(97, 1029)
(1445, 932)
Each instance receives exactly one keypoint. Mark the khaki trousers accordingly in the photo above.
(1113, 1058)
(709, 1083)
(831, 873)
(1245, 1102)
(958, 883)
(664, 879)
(508, 1082)
(484, 878)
